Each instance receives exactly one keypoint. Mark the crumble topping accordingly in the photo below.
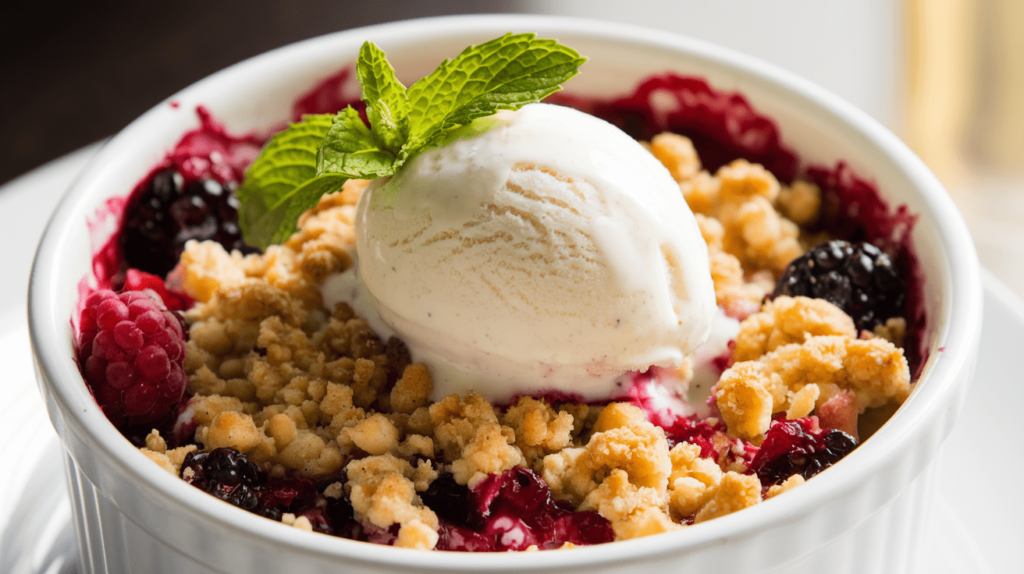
(306, 391)
(471, 439)
(383, 489)
(894, 330)
(800, 202)
(539, 429)
(169, 460)
(787, 485)
(872, 372)
(677, 154)
(623, 440)
(741, 196)
(749, 241)
(694, 480)
(786, 320)
(735, 492)
(301, 522)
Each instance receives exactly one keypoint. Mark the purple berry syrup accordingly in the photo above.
(723, 126)
(509, 511)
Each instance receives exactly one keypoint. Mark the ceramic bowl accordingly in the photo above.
(867, 514)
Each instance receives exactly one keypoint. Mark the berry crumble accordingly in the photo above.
(224, 365)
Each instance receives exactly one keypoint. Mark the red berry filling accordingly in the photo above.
(801, 447)
(723, 126)
(510, 511)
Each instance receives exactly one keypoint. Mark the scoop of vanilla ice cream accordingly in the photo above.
(536, 251)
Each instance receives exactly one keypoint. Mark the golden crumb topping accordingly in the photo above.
(873, 371)
(787, 485)
(169, 460)
(694, 480)
(676, 153)
(383, 490)
(470, 437)
(800, 202)
(735, 492)
(749, 241)
(786, 320)
(539, 429)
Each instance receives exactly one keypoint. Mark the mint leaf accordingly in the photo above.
(299, 165)
(387, 106)
(264, 224)
(282, 180)
(503, 74)
(351, 149)
(288, 160)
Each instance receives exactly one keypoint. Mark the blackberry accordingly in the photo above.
(232, 477)
(449, 500)
(232, 468)
(798, 447)
(858, 278)
(225, 473)
(167, 213)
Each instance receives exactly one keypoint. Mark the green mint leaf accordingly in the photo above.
(264, 224)
(302, 163)
(387, 106)
(351, 149)
(503, 74)
(284, 169)
(288, 160)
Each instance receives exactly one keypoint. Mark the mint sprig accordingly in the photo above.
(317, 155)
(504, 74)
(387, 105)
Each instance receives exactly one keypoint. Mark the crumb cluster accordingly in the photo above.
(308, 391)
(749, 221)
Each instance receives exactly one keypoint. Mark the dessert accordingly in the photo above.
(303, 414)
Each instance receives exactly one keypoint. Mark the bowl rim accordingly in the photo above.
(60, 379)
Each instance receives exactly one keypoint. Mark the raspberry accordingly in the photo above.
(132, 354)
(858, 278)
(136, 280)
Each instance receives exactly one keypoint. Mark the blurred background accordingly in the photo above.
(945, 75)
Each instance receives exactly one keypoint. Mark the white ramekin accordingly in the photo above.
(867, 514)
